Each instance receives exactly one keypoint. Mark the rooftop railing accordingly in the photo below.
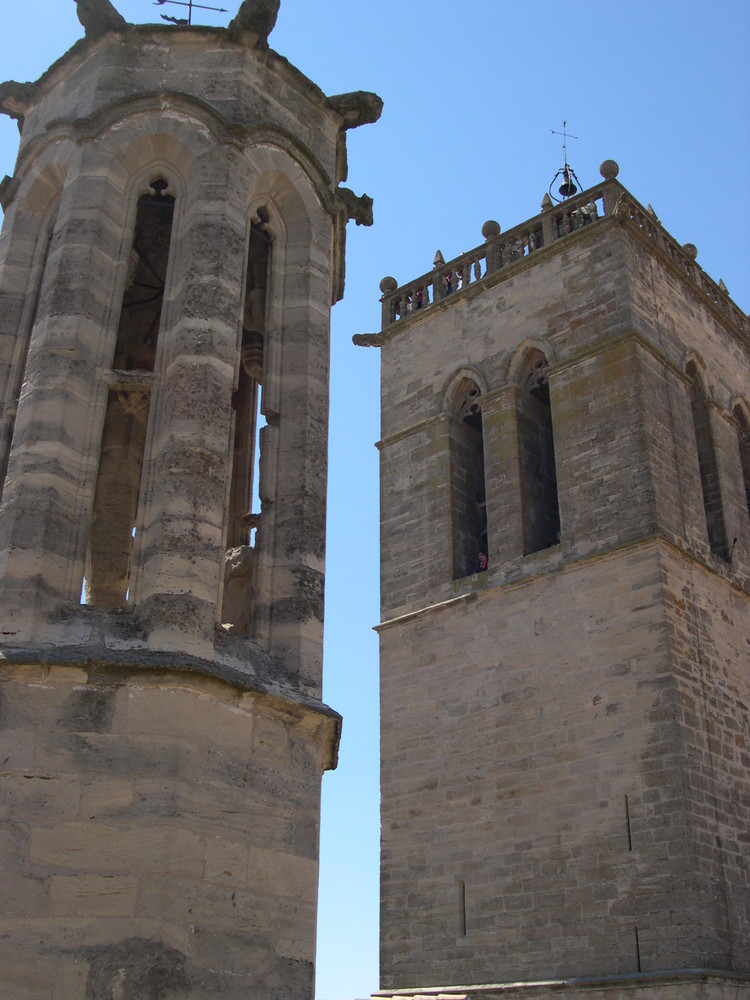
(555, 222)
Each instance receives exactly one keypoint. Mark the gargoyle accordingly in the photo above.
(98, 17)
(357, 108)
(16, 99)
(254, 22)
(358, 209)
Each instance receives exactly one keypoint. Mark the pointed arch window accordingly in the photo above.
(540, 511)
(707, 463)
(468, 506)
(743, 440)
(245, 489)
(113, 519)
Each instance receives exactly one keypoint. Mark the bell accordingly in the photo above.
(567, 188)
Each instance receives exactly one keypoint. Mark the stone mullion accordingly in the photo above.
(188, 447)
(52, 467)
(294, 471)
(502, 470)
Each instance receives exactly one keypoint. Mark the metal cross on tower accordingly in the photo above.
(564, 134)
(190, 5)
(569, 180)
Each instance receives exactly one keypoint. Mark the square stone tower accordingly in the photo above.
(565, 635)
(173, 241)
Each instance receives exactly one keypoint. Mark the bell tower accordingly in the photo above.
(565, 587)
(173, 241)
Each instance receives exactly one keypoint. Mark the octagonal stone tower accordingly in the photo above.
(173, 240)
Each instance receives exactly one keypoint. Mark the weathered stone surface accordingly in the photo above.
(254, 21)
(99, 16)
(168, 251)
(565, 776)
(175, 830)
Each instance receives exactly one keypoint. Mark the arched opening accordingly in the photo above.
(743, 442)
(540, 511)
(113, 519)
(469, 513)
(244, 496)
(709, 471)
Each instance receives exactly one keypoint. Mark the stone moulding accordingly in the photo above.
(604, 986)
(147, 667)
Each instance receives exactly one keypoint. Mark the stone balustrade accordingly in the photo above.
(555, 222)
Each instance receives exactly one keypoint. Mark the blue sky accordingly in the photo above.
(472, 93)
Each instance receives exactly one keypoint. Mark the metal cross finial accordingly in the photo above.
(569, 180)
(565, 136)
(190, 5)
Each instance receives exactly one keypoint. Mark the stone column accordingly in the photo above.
(23, 253)
(47, 499)
(180, 556)
(294, 459)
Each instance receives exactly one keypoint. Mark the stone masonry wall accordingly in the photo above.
(151, 824)
(535, 750)
(564, 738)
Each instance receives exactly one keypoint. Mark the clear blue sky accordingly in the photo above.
(472, 92)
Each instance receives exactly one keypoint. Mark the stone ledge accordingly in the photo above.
(681, 984)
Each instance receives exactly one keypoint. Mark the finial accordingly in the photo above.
(609, 170)
(546, 203)
(490, 229)
(388, 284)
(691, 250)
(438, 260)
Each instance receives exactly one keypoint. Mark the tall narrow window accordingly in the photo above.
(467, 482)
(540, 509)
(107, 579)
(709, 471)
(244, 517)
(743, 440)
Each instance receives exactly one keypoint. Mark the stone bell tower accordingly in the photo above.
(565, 634)
(173, 241)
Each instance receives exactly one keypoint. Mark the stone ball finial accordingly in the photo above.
(490, 229)
(691, 250)
(609, 170)
(388, 284)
